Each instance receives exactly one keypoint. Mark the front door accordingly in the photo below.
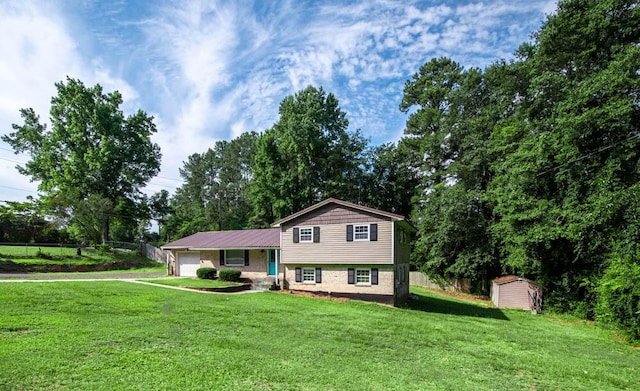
(271, 258)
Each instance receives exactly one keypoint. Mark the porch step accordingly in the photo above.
(263, 284)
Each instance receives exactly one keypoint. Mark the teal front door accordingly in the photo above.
(271, 257)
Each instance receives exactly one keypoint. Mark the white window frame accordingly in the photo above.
(227, 258)
(368, 275)
(310, 235)
(367, 231)
(308, 275)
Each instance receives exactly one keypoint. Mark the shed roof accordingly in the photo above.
(511, 278)
(347, 204)
(241, 239)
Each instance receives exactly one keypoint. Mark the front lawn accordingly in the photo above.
(187, 282)
(118, 335)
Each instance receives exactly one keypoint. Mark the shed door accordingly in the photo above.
(188, 263)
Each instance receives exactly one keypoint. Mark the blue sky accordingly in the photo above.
(210, 70)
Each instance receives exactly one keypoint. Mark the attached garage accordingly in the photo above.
(188, 263)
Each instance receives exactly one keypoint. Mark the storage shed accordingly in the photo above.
(516, 292)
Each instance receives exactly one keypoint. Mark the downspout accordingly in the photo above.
(278, 259)
(393, 242)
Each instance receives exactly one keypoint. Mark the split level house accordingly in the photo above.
(333, 247)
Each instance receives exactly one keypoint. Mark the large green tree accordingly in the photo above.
(93, 156)
(215, 195)
(534, 163)
(448, 133)
(306, 156)
(567, 194)
(391, 180)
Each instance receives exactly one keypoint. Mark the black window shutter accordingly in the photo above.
(318, 275)
(246, 257)
(374, 276)
(349, 233)
(221, 257)
(296, 235)
(316, 234)
(352, 276)
(373, 232)
(298, 274)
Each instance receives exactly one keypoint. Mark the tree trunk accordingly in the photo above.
(105, 230)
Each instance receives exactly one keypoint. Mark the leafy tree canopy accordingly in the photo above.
(307, 155)
(92, 150)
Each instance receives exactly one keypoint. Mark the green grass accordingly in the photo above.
(117, 335)
(190, 282)
(28, 255)
(31, 251)
(61, 275)
(21, 258)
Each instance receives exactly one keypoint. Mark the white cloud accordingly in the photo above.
(210, 70)
(38, 51)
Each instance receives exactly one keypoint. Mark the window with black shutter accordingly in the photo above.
(349, 233)
(351, 279)
(373, 232)
(298, 274)
(221, 257)
(246, 257)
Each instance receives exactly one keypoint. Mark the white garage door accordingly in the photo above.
(188, 263)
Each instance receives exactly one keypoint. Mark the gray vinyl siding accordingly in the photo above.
(333, 247)
(336, 214)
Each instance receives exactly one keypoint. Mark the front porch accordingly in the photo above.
(254, 264)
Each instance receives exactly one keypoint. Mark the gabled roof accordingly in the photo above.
(328, 201)
(243, 239)
(511, 278)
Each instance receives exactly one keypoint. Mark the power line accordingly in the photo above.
(588, 155)
(169, 179)
(11, 160)
(15, 188)
(159, 185)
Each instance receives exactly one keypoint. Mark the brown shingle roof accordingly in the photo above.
(320, 204)
(510, 278)
(250, 238)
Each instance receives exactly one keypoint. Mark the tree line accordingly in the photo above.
(528, 166)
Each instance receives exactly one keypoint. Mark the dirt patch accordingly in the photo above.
(316, 295)
(221, 289)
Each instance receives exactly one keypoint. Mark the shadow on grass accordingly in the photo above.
(452, 307)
